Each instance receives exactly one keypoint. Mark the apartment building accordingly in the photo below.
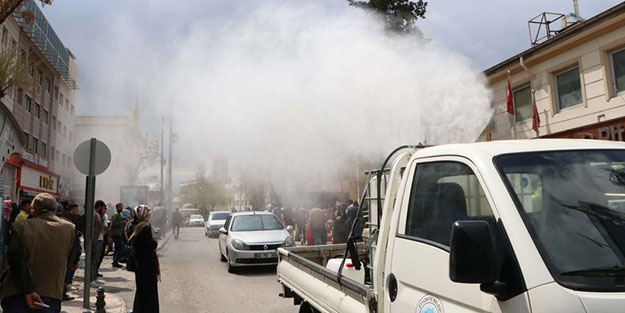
(43, 112)
(576, 77)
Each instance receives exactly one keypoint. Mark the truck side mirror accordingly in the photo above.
(472, 253)
(223, 231)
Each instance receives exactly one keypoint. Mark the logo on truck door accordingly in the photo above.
(430, 304)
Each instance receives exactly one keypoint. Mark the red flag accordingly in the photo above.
(535, 117)
(509, 99)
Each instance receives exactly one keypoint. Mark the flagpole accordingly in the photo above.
(511, 117)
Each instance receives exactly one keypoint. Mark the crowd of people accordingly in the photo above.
(42, 248)
(318, 226)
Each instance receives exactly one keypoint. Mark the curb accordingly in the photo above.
(165, 241)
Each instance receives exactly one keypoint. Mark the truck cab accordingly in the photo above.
(509, 226)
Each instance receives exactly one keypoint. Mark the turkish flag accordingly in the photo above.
(535, 117)
(509, 99)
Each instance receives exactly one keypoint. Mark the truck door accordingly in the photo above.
(442, 192)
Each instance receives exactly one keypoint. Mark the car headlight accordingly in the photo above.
(239, 245)
(289, 242)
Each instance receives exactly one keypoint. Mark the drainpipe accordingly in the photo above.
(532, 76)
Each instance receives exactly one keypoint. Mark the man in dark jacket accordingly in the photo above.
(39, 251)
(117, 230)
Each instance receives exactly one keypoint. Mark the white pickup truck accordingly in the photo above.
(509, 226)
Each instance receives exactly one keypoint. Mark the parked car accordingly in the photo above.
(196, 220)
(251, 238)
(214, 222)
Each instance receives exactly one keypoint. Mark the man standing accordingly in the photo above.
(72, 215)
(97, 239)
(117, 230)
(24, 211)
(39, 250)
(318, 226)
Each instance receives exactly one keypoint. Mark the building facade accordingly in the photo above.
(44, 112)
(576, 78)
(122, 135)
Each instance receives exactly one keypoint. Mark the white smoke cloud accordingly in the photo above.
(297, 89)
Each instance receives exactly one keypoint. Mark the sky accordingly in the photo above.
(486, 32)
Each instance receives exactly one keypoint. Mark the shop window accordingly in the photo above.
(568, 88)
(523, 103)
(618, 69)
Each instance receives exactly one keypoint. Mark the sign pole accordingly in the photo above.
(89, 199)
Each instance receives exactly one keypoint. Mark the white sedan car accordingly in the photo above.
(214, 222)
(251, 238)
(196, 220)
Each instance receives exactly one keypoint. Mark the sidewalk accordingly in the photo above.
(119, 286)
(114, 304)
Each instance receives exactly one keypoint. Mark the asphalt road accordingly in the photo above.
(194, 280)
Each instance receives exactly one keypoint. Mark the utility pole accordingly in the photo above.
(163, 162)
(170, 190)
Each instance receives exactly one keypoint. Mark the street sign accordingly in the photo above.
(91, 158)
(102, 157)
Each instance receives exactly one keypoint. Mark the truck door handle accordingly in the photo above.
(392, 287)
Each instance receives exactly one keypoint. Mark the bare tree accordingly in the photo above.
(14, 71)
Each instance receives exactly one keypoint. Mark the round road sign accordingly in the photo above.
(102, 157)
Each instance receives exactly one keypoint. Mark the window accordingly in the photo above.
(37, 108)
(443, 193)
(34, 144)
(61, 101)
(27, 103)
(45, 116)
(66, 105)
(52, 151)
(523, 103)
(54, 122)
(58, 155)
(27, 141)
(618, 69)
(568, 88)
(72, 109)
(43, 149)
(39, 77)
(56, 92)
(46, 85)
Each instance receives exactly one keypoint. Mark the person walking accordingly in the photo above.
(318, 226)
(146, 267)
(39, 250)
(176, 221)
(117, 232)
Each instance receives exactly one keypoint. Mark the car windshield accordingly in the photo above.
(220, 215)
(256, 222)
(573, 203)
(196, 217)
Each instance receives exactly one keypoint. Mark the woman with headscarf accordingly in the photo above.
(147, 271)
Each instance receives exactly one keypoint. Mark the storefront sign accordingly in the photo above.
(34, 158)
(610, 130)
(36, 180)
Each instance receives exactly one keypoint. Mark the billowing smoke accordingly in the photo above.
(296, 89)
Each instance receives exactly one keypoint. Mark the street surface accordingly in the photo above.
(194, 280)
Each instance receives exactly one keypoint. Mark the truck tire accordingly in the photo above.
(307, 308)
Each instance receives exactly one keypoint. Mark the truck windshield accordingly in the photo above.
(573, 203)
